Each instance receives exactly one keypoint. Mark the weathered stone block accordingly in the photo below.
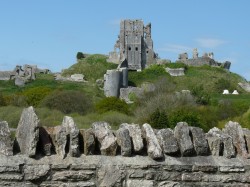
(73, 133)
(89, 142)
(168, 184)
(5, 140)
(167, 141)
(60, 140)
(136, 183)
(153, 147)
(228, 147)
(215, 144)
(106, 138)
(27, 133)
(199, 141)
(109, 175)
(34, 172)
(247, 138)
(181, 133)
(72, 175)
(136, 135)
(124, 141)
(192, 177)
(234, 130)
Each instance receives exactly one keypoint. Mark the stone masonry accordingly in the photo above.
(135, 45)
(132, 156)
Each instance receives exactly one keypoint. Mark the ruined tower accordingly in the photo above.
(135, 45)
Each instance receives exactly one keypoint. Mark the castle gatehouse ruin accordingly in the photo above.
(135, 45)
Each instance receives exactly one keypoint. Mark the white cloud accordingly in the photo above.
(175, 48)
(210, 42)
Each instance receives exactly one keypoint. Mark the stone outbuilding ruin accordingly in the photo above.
(205, 59)
(135, 45)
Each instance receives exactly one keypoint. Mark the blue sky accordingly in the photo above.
(49, 33)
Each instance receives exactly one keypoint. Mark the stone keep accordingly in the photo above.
(135, 44)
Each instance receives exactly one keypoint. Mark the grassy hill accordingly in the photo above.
(206, 108)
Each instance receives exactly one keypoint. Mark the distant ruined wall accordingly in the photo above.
(131, 156)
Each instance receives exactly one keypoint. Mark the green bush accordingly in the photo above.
(80, 55)
(11, 114)
(223, 84)
(158, 119)
(202, 97)
(149, 74)
(35, 95)
(68, 102)
(189, 115)
(2, 100)
(112, 104)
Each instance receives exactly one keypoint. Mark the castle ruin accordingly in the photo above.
(205, 59)
(135, 45)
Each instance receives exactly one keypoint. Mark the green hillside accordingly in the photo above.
(86, 103)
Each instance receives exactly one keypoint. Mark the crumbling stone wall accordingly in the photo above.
(135, 45)
(131, 156)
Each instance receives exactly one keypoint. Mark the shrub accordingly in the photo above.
(11, 114)
(2, 100)
(202, 97)
(112, 104)
(184, 114)
(158, 119)
(80, 55)
(223, 84)
(68, 102)
(34, 96)
(149, 74)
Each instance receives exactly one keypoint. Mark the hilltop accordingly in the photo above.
(205, 106)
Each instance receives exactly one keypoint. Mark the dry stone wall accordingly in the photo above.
(131, 156)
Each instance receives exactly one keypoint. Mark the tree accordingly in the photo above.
(80, 55)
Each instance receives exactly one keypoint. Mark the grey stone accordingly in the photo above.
(124, 141)
(27, 133)
(112, 80)
(181, 133)
(183, 56)
(176, 71)
(89, 142)
(199, 141)
(136, 183)
(36, 172)
(167, 141)
(77, 77)
(5, 140)
(105, 137)
(60, 140)
(20, 81)
(135, 45)
(169, 184)
(136, 135)
(73, 133)
(215, 144)
(234, 130)
(228, 147)
(72, 175)
(247, 138)
(153, 147)
(109, 175)
(245, 86)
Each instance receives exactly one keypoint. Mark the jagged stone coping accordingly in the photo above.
(67, 140)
